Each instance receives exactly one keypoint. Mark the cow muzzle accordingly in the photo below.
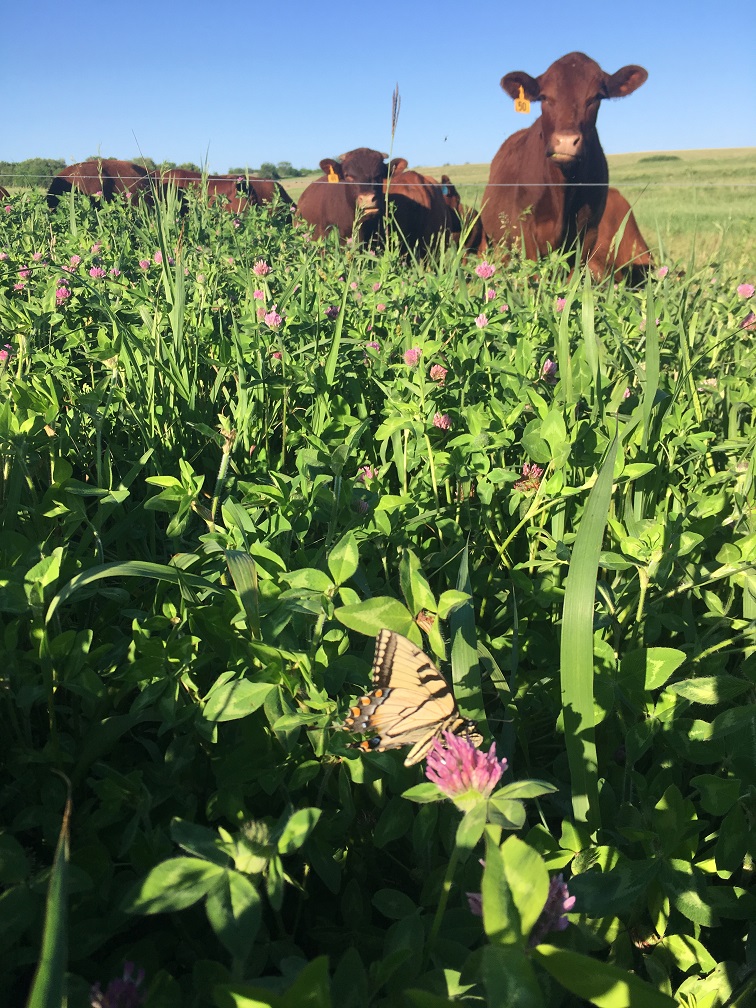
(367, 204)
(565, 147)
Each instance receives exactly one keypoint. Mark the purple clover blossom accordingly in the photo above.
(144, 264)
(549, 371)
(504, 308)
(97, 272)
(272, 318)
(456, 767)
(5, 353)
(19, 286)
(75, 260)
(485, 270)
(258, 295)
(531, 470)
(554, 914)
(442, 421)
(745, 290)
(261, 268)
(115, 272)
(411, 357)
(749, 322)
(481, 321)
(376, 287)
(373, 345)
(24, 273)
(158, 257)
(553, 917)
(36, 256)
(3, 255)
(380, 307)
(475, 903)
(531, 478)
(490, 294)
(560, 304)
(662, 272)
(332, 311)
(438, 373)
(122, 992)
(366, 472)
(61, 295)
(96, 248)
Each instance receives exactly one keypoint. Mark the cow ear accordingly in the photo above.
(398, 164)
(445, 180)
(512, 83)
(332, 166)
(625, 81)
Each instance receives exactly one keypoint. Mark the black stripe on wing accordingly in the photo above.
(411, 702)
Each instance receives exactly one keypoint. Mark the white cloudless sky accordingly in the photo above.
(230, 84)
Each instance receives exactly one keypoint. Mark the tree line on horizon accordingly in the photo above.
(40, 171)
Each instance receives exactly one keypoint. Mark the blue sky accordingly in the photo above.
(235, 83)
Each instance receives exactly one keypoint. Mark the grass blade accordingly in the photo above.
(577, 646)
(47, 987)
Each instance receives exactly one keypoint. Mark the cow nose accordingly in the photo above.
(566, 145)
(367, 202)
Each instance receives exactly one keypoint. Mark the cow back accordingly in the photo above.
(104, 178)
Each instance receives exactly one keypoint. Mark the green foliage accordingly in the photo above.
(207, 517)
(32, 172)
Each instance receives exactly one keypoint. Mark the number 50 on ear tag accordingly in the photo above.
(521, 102)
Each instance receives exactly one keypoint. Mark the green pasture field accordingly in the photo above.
(232, 458)
(698, 207)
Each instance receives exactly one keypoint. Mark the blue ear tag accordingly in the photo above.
(445, 190)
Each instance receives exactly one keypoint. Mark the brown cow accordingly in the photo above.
(106, 177)
(4, 194)
(421, 212)
(620, 248)
(548, 182)
(237, 192)
(471, 224)
(269, 190)
(351, 185)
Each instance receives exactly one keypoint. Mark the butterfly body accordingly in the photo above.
(411, 702)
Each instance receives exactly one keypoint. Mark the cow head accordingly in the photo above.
(570, 93)
(450, 193)
(363, 170)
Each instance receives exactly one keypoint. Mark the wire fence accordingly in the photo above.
(427, 184)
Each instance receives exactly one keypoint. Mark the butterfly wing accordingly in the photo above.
(410, 704)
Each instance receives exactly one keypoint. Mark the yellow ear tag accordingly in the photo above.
(332, 176)
(521, 102)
